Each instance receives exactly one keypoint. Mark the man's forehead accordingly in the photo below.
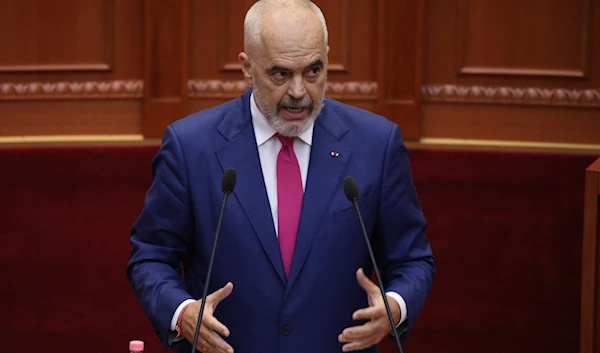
(304, 29)
(292, 53)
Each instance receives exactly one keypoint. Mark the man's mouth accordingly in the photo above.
(294, 110)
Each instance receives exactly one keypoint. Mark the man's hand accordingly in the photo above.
(378, 326)
(211, 330)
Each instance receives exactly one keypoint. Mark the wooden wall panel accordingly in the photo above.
(230, 16)
(512, 70)
(70, 117)
(511, 122)
(499, 38)
(173, 57)
(468, 61)
(68, 67)
(352, 38)
(44, 27)
(215, 71)
(400, 53)
(166, 46)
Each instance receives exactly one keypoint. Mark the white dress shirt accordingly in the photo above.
(268, 150)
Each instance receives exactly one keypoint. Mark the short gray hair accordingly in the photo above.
(254, 17)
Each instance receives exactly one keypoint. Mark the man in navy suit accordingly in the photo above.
(291, 244)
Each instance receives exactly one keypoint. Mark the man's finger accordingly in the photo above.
(365, 282)
(221, 293)
(209, 331)
(358, 333)
(215, 342)
(215, 325)
(203, 345)
(356, 346)
(370, 313)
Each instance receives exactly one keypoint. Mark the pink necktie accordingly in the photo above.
(289, 199)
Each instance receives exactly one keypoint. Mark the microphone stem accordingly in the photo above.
(210, 265)
(384, 297)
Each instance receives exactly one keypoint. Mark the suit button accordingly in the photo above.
(286, 330)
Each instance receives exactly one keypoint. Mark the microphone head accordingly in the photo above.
(228, 181)
(351, 189)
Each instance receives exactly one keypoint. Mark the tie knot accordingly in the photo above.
(286, 141)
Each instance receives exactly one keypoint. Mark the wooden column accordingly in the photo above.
(166, 47)
(400, 56)
(590, 274)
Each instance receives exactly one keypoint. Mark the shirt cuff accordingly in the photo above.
(173, 335)
(398, 298)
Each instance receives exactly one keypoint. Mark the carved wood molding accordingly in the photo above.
(512, 95)
(117, 89)
(228, 89)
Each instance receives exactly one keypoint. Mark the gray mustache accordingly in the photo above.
(296, 103)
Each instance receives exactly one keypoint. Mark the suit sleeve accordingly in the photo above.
(161, 237)
(401, 246)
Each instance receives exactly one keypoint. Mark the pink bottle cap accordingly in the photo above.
(136, 346)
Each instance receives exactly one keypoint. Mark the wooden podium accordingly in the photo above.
(590, 286)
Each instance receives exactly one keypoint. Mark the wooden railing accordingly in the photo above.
(590, 288)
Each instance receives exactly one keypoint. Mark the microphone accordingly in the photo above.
(227, 186)
(352, 193)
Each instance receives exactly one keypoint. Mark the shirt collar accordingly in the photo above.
(263, 131)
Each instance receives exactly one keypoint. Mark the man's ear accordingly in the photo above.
(246, 67)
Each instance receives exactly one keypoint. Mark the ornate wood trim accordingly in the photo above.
(229, 89)
(116, 89)
(512, 95)
(215, 88)
(55, 67)
(505, 71)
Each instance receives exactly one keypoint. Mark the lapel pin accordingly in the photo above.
(334, 154)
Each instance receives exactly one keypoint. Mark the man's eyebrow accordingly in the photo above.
(317, 62)
(276, 68)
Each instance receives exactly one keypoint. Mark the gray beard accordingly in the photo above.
(279, 123)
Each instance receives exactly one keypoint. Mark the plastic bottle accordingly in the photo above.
(136, 346)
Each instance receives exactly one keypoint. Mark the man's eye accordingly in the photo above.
(313, 72)
(279, 75)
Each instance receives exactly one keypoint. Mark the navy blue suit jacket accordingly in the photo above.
(178, 222)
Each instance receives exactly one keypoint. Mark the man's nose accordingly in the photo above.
(297, 89)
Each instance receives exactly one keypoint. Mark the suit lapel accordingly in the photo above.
(241, 153)
(328, 159)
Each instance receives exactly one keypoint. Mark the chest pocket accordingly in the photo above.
(365, 205)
